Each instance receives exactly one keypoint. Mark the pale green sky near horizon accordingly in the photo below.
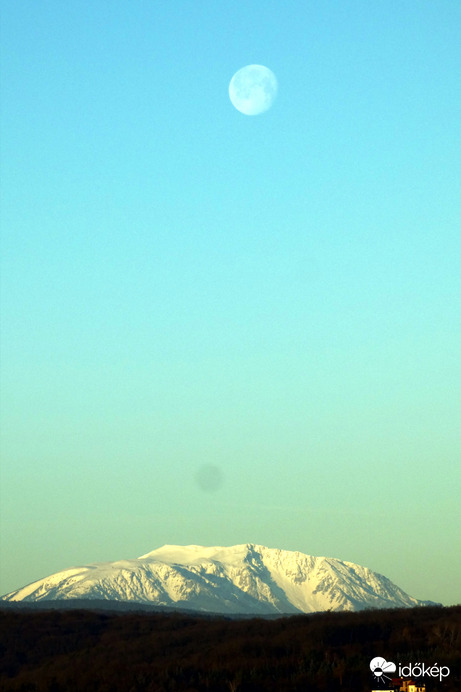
(277, 296)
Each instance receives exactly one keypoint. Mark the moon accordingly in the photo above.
(253, 89)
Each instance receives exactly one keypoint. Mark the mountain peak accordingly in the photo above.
(247, 578)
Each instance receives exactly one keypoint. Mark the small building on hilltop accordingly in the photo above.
(399, 685)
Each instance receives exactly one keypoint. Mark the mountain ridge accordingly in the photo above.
(247, 578)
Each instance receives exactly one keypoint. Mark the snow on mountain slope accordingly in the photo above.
(242, 579)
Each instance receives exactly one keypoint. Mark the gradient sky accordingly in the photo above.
(277, 297)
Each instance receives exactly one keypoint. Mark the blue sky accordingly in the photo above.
(276, 296)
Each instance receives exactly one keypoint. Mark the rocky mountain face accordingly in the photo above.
(243, 579)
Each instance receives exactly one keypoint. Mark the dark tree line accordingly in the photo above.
(96, 651)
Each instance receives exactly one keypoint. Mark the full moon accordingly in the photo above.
(253, 89)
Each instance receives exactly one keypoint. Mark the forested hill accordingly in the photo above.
(96, 651)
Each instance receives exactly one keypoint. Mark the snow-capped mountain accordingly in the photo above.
(242, 579)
